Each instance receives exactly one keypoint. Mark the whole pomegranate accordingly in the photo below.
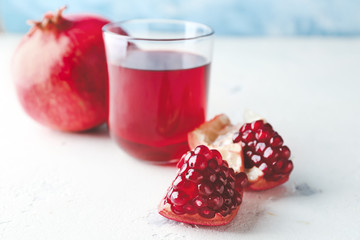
(60, 71)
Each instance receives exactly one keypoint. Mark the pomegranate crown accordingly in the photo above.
(49, 20)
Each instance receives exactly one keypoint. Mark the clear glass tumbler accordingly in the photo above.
(158, 81)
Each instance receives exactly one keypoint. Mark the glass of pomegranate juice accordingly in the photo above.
(158, 80)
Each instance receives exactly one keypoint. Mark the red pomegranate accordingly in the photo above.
(60, 71)
(266, 158)
(205, 191)
(254, 148)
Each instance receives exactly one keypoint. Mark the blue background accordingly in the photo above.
(227, 17)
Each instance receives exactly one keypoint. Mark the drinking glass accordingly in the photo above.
(158, 82)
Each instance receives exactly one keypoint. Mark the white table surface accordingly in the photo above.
(56, 185)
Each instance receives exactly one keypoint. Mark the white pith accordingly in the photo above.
(253, 174)
(217, 134)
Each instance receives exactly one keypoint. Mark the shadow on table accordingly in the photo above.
(253, 208)
(255, 205)
(101, 131)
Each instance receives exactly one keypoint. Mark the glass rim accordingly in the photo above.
(209, 32)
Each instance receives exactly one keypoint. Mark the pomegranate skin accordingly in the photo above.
(60, 72)
(165, 210)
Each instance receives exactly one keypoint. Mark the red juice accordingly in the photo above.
(155, 99)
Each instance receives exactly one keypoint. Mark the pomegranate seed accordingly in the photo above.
(237, 137)
(219, 187)
(215, 201)
(256, 159)
(184, 168)
(206, 212)
(268, 153)
(229, 191)
(237, 198)
(206, 188)
(225, 171)
(241, 181)
(189, 209)
(170, 191)
(257, 124)
(222, 178)
(268, 127)
(179, 210)
(285, 152)
(217, 156)
(231, 173)
(213, 164)
(276, 141)
(230, 183)
(197, 162)
(177, 181)
(228, 201)
(260, 147)
(179, 198)
(252, 144)
(262, 135)
(248, 163)
(211, 176)
(181, 161)
(249, 154)
(224, 163)
(183, 184)
(245, 127)
(247, 136)
(203, 151)
(194, 176)
(277, 166)
(288, 168)
(199, 202)
(273, 159)
(185, 157)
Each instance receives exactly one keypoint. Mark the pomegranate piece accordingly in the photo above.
(266, 159)
(205, 191)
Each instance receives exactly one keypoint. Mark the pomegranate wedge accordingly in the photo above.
(205, 191)
(266, 159)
